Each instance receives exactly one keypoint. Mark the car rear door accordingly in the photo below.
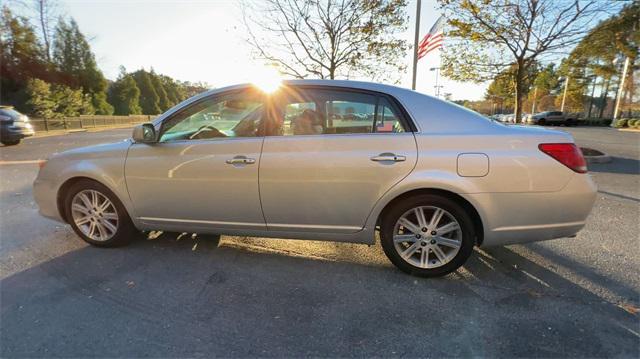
(330, 154)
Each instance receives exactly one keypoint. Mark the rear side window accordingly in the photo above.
(9, 113)
(313, 111)
(388, 119)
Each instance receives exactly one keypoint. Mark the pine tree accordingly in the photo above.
(175, 92)
(22, 58)
(124, 95)
(163, 98)
(74, 60)
(68, 102)
(39, 102)
(148, 96)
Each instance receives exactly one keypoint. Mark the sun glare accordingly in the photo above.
(267, 79)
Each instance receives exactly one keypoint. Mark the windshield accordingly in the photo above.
(9, 112)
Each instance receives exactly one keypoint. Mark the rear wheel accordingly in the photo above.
(427, 235)
(97, 216)
(10, 143)
(568, 122)
(542, 122)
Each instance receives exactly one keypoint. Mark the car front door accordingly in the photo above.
(329, 156)
(203, 171)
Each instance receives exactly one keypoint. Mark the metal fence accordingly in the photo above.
(82, 122)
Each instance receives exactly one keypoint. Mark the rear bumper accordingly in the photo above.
(511, 218)
(13, 133)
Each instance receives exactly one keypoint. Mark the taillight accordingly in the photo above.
(566, 153)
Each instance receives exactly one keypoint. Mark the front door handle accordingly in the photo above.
(388, 157)
(240, 160)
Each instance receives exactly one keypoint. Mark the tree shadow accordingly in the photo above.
(168, 297)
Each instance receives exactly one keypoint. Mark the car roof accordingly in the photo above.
(427, 112)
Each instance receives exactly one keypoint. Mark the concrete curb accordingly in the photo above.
(629, 130)
(601, 158)
(63, 132)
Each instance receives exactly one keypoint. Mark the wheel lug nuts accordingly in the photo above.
(418, 236)
(433, 233)
(433, 241)
(424, 229)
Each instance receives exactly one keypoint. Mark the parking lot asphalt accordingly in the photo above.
(165, 297)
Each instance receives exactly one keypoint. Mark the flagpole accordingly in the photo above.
(415, 46)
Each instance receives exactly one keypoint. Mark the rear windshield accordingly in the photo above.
(10, 112)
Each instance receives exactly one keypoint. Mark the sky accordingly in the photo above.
(205, 41)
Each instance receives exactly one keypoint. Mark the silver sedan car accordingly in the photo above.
(327, 160)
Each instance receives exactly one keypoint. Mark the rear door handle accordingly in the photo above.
(237, 160)
(388, 157)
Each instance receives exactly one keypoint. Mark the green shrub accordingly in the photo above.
(621, 123)
(631, 122)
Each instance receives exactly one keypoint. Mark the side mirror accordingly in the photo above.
(144, 133)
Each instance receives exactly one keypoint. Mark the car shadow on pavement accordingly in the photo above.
(168, 297)
(620, 165)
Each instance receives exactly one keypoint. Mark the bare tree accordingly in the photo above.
(329, 38)
(47, 13)
(487, 37)
(44, 15)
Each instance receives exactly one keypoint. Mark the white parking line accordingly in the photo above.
(25, 162)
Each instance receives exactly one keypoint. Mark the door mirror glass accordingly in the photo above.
(144, 133)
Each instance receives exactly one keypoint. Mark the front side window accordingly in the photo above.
(329, 111)
(237, 114)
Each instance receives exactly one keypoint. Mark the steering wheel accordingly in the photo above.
(215, 132)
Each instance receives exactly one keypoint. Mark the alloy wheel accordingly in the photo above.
(427, 243)
(94, 215)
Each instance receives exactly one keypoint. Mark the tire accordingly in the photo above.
(96, 231)
(542, 122)
(10, 143)
(430, 264)
(568, 123)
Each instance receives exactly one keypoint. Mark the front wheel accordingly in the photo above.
(427, 235)
(97, 216)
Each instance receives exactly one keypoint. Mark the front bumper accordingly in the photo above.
(511, 218)
(45, 196)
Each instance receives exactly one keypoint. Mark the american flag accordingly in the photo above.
(432, 40)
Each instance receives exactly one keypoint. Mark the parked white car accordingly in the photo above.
(432, 178)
